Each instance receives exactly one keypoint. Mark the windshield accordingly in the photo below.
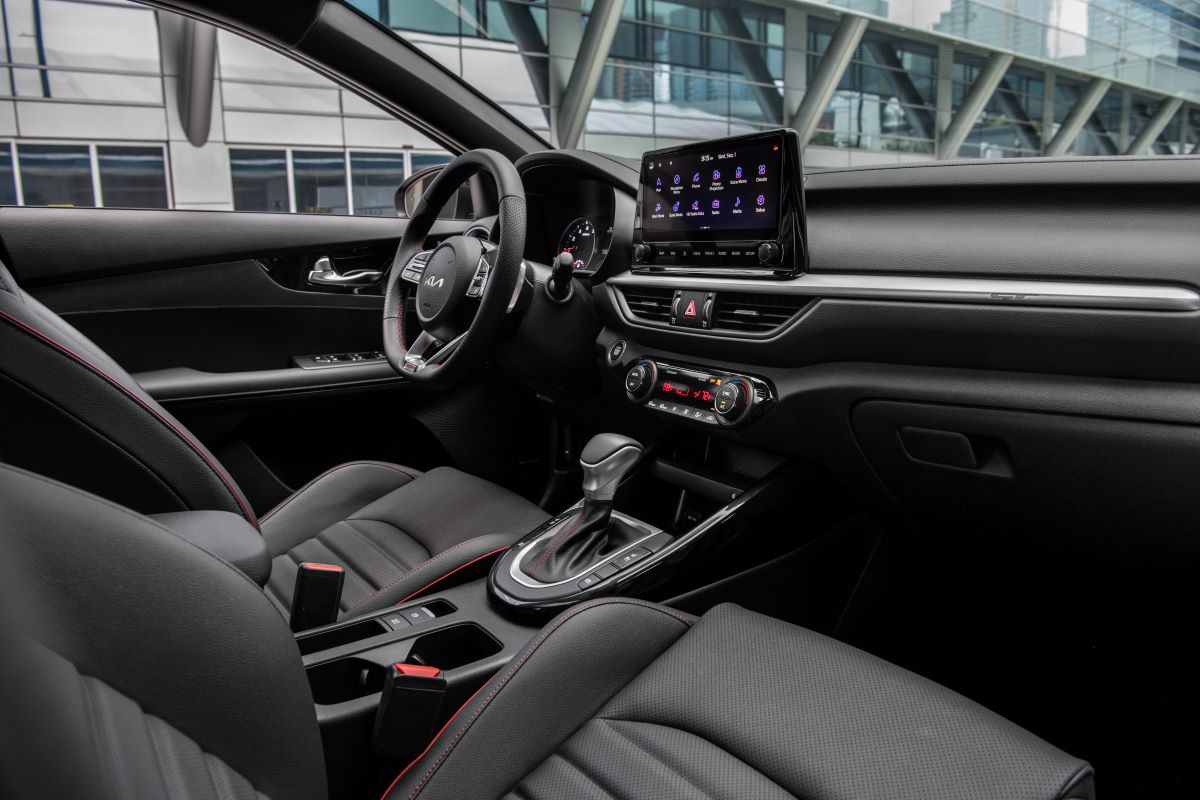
(863, 81)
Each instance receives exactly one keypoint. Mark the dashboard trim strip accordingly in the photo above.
(998, 291)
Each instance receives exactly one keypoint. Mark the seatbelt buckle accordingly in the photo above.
(409, 709)
(317, 597)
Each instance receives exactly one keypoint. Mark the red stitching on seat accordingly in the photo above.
(196, 448)
(425, 563)
(436, 736)
(330, 471)
(532, 648)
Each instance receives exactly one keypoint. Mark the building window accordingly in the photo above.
(8, 186)
(132, 177)
(422, 160)
(320, 180)
(56, 174)
(375, 177)
(260, 180)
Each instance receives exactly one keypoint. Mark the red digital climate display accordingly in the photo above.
(700, 397)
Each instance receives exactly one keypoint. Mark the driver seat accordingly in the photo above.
(71, 413)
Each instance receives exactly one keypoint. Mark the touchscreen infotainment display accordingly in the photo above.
(726, 190)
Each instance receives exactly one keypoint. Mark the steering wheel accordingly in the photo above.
(464, 287)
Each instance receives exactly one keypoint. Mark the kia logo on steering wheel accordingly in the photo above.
(435, 282)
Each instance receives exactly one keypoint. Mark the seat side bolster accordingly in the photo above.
(558, 682)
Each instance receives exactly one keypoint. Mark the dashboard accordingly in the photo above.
(569, 212)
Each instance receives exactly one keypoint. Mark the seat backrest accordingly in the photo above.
(146, 668)
(71, 413)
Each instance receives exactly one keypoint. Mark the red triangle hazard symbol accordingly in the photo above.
(691, 309)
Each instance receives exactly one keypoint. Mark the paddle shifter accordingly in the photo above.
(583, 540)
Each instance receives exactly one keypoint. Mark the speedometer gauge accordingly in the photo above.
(579, 239)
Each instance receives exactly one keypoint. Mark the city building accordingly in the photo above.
(115, 104)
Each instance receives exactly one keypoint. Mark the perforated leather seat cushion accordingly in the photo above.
(395, 530)
(734, 705)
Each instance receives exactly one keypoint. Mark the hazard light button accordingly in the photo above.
(692, 309)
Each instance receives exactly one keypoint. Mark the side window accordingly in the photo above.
(103, 104)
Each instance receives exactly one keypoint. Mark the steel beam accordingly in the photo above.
(828, 75)
(1010, 104)
(1154, 126)
(534, 53)
(754, 67)
(1077, 117)
(197, 74)
(973, 103)
(915, 106)
(589, 66)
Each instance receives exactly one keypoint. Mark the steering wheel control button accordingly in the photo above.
(616, 351)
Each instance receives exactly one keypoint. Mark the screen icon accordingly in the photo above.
(657, 208)
(716, 203)
(737, 173)
(676, 180)
(695, 205)
(762, 169)
(762, 201)
(716, 174)
(737, 202)
(675, 207)
(696, 178)
(658, 181)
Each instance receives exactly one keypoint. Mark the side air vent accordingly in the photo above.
(650, 305)
(756, 313)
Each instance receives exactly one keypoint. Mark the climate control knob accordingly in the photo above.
(733, 400)
(639, 381)
(643, 253)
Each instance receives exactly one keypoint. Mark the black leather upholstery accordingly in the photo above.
(170, 666)
(172, 675)
(85, 421)
(733, 705)
(227, 536)
(395, 530)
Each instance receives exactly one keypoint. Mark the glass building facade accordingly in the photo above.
(678, 70)
(90, 90)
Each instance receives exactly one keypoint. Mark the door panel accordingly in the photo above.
(208, 310)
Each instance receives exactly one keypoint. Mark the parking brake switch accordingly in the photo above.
(317, 597)
(409, 710)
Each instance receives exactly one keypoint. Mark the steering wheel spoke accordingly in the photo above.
(460, 291)
(429, 351)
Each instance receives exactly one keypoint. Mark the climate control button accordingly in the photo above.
(639, 380)
(733, 400)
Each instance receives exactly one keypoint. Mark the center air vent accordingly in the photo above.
(651, 305)
(756, 313)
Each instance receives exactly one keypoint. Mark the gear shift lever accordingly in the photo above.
(606, 461)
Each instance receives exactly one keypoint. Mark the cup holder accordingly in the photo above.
(344, 679)
(454, 647)
(354, 677)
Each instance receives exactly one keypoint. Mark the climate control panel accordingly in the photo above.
(698, 394)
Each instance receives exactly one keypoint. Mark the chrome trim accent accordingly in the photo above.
(994, 291)
(514, 569)
(516, 295)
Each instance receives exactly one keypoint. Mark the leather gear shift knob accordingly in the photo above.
(606, 460)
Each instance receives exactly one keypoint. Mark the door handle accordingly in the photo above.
(323, 274)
